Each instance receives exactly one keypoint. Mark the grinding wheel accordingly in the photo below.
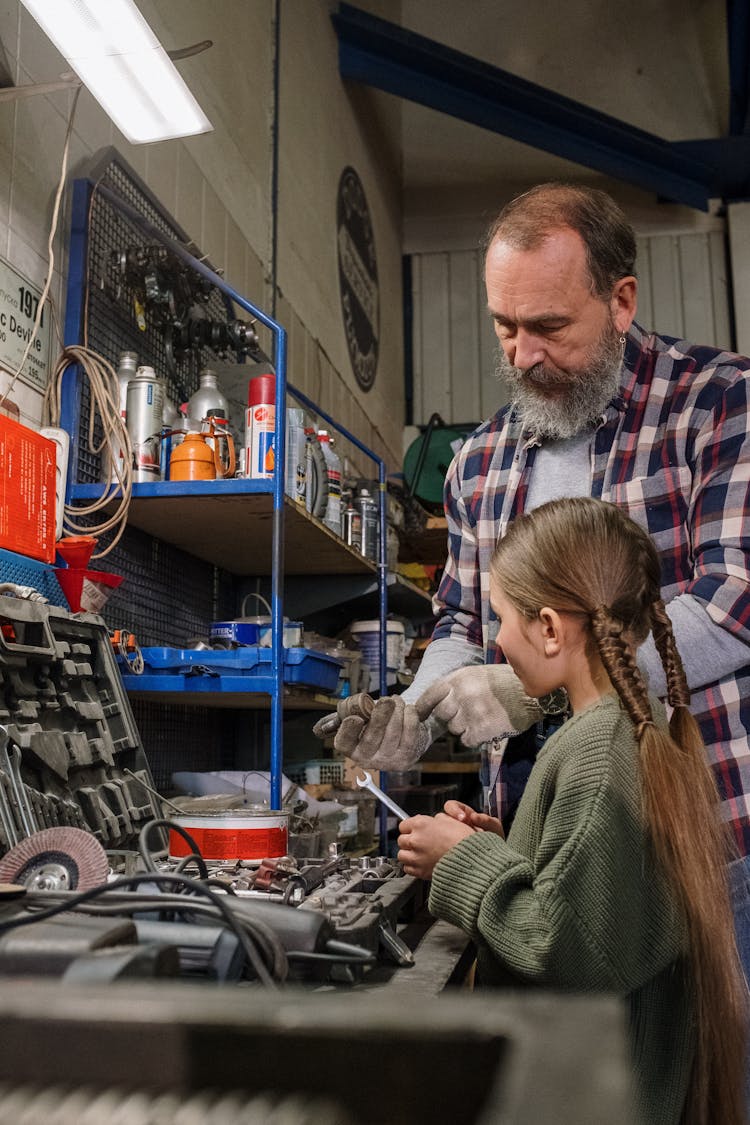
(56, 859)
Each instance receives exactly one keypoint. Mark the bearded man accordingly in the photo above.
(601, 408)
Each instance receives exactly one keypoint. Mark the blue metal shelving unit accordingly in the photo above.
(70, 420)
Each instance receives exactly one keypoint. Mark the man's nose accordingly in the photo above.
(526, 350)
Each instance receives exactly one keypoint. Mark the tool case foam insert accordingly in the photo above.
(71, 732)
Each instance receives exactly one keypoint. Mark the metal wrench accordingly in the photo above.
(366, 782)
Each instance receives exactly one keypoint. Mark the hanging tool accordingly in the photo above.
(364, 781)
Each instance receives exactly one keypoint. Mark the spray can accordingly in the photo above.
(126, 368)
(332, 517)
(145, 406)
(370, 516)
(353, 527)
(260, 422)
(295, 478)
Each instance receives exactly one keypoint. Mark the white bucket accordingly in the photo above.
(366, 636)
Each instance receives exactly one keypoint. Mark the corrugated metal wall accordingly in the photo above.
(683, 292)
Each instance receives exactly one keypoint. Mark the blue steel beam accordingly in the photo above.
(738, 48)
(400, 62)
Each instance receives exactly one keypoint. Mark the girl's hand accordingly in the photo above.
(482, 822)
(423, 840)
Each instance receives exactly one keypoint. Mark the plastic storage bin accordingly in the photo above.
(226, 669)
(366, 636)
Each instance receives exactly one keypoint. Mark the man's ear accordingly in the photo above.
(623, 303)
(552, 630)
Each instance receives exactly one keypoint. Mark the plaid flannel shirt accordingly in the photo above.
(673, 450)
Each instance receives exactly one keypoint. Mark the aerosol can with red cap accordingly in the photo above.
(260, 424)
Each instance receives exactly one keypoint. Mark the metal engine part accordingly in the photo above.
(56, 859)
(85, 1106)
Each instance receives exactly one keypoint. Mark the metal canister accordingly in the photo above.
(352, 527)
(370, 526)
(145, 405)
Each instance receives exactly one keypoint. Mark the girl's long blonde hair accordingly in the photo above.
(585, 556)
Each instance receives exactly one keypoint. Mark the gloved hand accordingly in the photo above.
(479, 703)
(392, 739)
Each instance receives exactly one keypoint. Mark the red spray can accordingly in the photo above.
(260, 424)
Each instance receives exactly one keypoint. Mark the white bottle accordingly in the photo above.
(332, 517)
(126, 369)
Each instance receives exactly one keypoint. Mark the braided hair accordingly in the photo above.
(586, 557)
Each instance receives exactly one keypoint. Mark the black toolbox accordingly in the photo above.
(72, 745)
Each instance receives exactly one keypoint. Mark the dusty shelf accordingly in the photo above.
(230, 524)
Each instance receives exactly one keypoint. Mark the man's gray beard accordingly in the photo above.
(585, 397)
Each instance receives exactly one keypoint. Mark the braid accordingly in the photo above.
(678, 692)
(585, 557)
(619, 661)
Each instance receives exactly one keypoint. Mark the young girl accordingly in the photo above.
(612, 877)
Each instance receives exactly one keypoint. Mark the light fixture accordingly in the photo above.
(116, 55)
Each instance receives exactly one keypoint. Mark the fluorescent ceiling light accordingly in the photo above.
(116, 55)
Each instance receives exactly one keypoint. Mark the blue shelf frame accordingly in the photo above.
(83, 190)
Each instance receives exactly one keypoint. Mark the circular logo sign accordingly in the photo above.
(358, 277)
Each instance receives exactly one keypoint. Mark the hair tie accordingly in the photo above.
(642, 726)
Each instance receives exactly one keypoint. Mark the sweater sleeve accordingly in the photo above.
(587, 911)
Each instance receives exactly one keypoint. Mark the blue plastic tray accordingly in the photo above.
(213, 669)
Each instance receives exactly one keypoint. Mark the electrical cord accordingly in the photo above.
(170, 905)
(50, 250)
(115, 446)
(147, 855)
(246, 934)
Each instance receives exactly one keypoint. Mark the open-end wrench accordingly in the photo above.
(365, 782)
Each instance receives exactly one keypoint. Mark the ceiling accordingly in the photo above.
(588, 89)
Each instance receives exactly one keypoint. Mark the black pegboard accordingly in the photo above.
(178, 738)
(117, 318)
(168, 597)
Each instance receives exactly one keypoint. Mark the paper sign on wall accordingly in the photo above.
(19, 301)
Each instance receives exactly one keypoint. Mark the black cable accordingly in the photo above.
(147, 856)
(241, 931)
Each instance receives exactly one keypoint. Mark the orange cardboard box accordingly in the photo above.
(27, 491)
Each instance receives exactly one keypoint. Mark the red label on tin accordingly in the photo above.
(232, 843)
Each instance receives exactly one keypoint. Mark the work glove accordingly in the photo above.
(480, 703)
(393, 738)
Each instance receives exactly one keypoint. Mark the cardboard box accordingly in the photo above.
(27, 491)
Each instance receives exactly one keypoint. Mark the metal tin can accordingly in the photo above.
(353, 528)
(370, 516)
(233, 835)
(145, 406)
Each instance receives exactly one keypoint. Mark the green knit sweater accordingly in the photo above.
(571, 900)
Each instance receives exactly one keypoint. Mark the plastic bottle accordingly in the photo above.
(332, 517)
(295, 478)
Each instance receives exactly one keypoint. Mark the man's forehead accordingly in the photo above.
(547, 279)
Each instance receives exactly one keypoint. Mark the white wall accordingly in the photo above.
(682, 291)
(218, 186)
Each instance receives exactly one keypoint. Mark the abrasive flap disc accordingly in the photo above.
(56, 859)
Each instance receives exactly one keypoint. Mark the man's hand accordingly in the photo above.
(480, 703)
(423, 840)
(392, 739)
